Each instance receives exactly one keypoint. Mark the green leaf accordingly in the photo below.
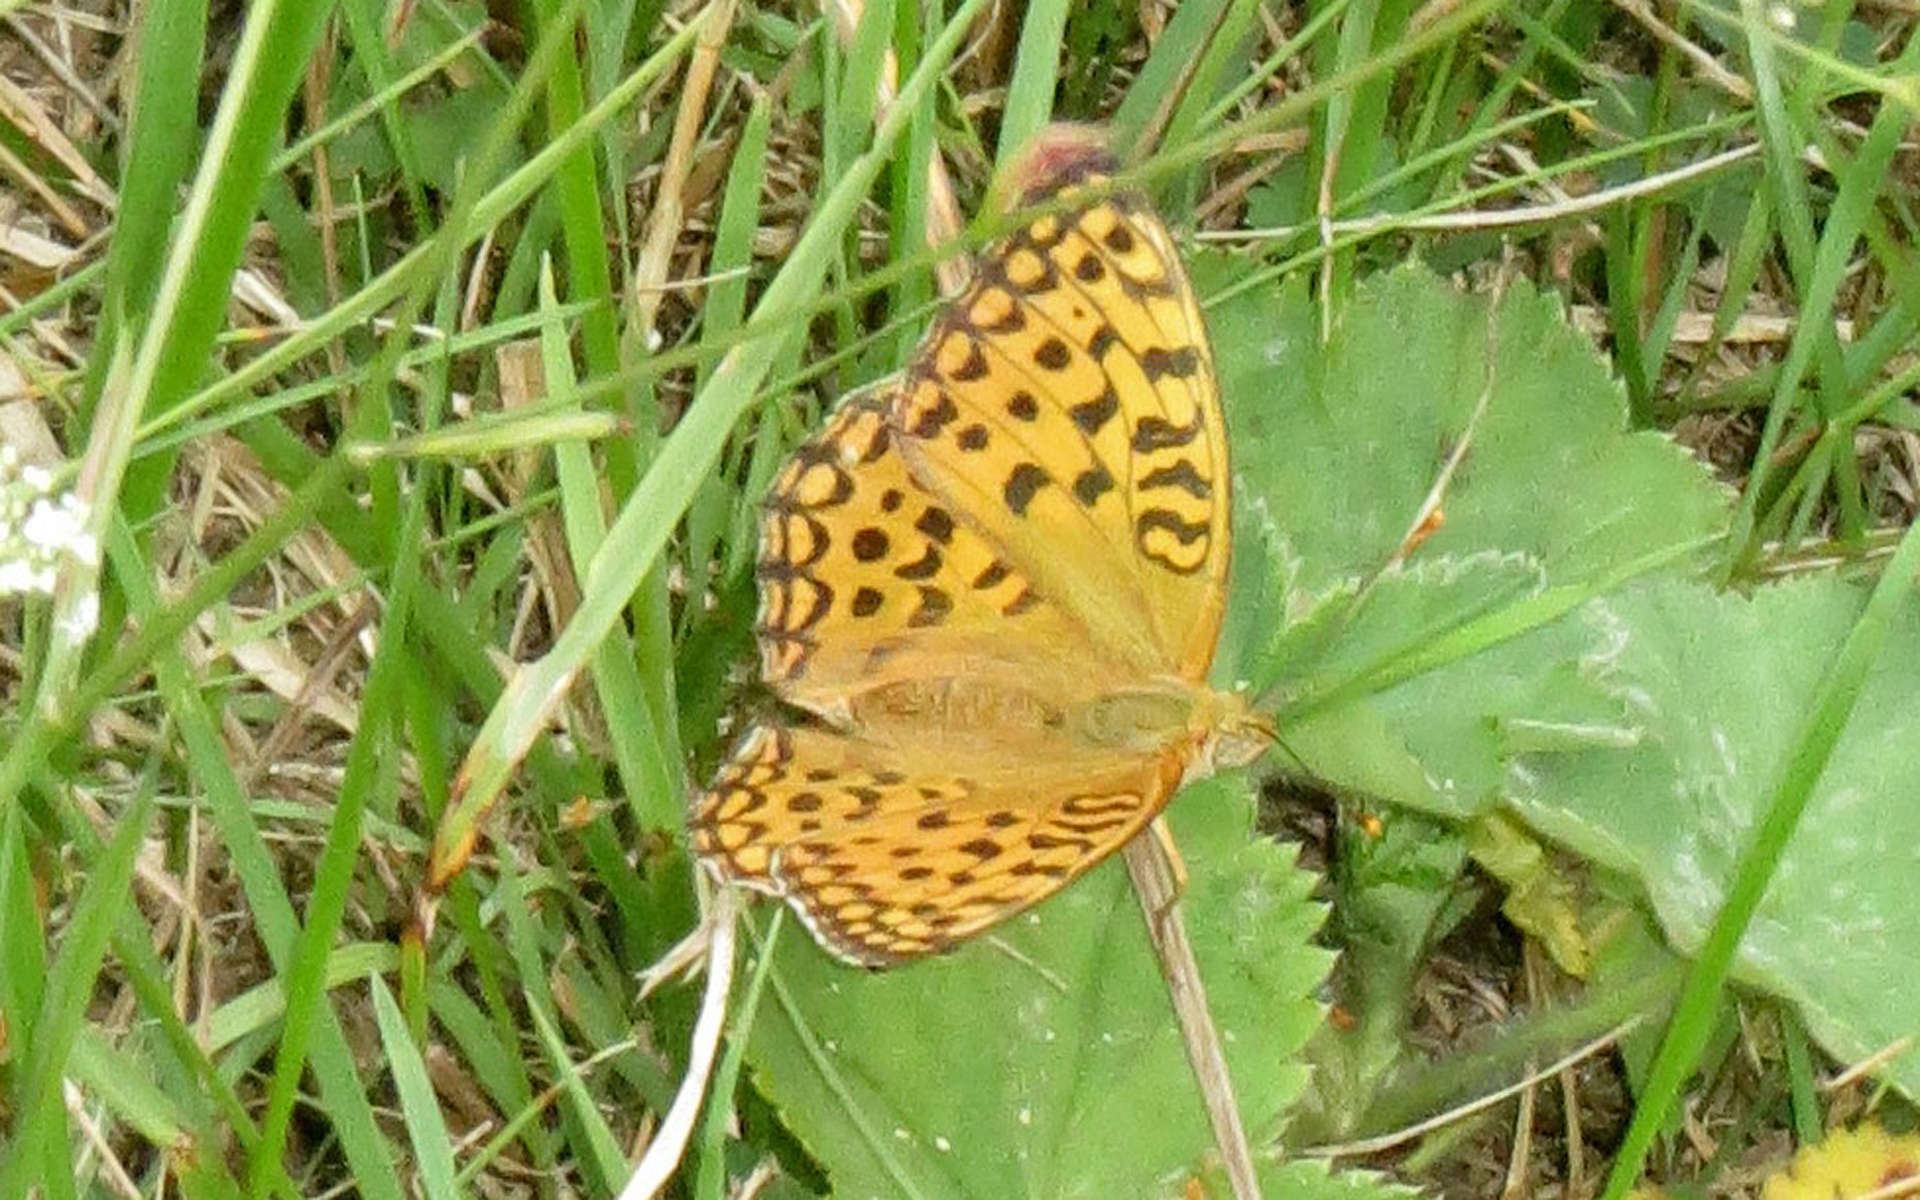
(1718, 686)
(1025, 1068)
(1343, 442)
(1409, 670)
(1311, 1180)
(1541, 485)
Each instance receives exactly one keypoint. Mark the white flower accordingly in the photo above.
(17, 576)
(85, 619)
(54, 527)
(39, 533)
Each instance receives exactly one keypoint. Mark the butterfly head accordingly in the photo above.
(1232, 732)
(1058, 157)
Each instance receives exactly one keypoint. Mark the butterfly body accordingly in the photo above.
(993, 584)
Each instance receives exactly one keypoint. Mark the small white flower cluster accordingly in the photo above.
(36, 528)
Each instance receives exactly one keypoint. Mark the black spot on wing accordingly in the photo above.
(1181, 475)
(1023, 482)
(1093, 483)
(1186, 533)
(924, 567)
(972, 367)
(1092, 415)
(936, 523)
(991, 576)
(1027, 866)
(1158, 433)
(932, 418)
(1013, 321)
(870, 543)
(933, 608)
(1158, 363)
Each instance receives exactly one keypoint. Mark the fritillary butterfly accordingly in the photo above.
(993, 583)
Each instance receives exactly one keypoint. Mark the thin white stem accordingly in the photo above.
(669, 1145)
(1501, 218)
(1388, 1141)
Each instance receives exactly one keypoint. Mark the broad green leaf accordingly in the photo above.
(1547, 500)
(1311, 1180)
(1718, 686)
(1343, 442)
(1338, 448)
(1051, 1065)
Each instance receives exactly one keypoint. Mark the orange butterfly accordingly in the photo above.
(994, 583)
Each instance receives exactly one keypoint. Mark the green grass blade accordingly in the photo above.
(63, 1007)
(1036, 72)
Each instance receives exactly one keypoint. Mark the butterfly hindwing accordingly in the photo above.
(888, 857)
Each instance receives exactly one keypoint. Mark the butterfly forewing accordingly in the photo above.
(867, 579)
(1066, 404)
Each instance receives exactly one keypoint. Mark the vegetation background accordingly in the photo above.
(387, 393)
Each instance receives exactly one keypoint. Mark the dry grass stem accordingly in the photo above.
(1154, 883)
(665, 221)
(1502, 218)
(1400, 1137)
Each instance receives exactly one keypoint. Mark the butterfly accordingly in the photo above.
(990, 588)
